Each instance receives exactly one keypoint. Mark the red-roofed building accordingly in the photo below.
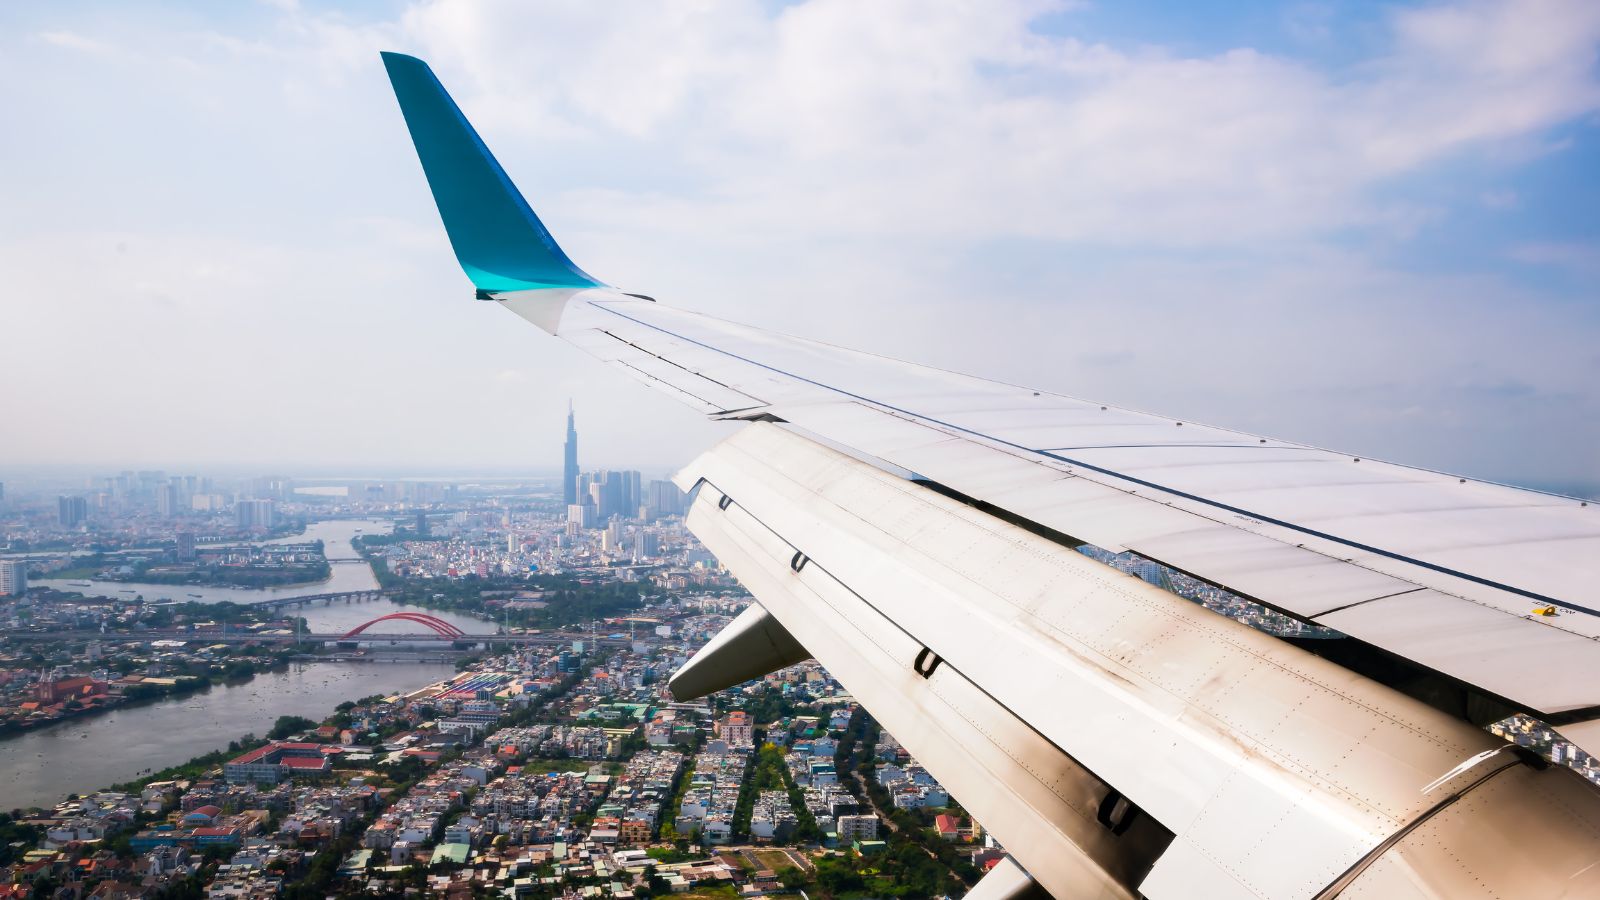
(948, 826)
(737, 729)
(306, 763)
(60, 690)
(275, 762)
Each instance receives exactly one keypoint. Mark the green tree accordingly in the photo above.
(287, 725)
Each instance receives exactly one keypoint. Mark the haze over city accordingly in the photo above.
(1368, 228)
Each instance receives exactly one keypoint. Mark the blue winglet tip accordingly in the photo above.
(498, 239)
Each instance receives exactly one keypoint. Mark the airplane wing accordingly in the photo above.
(919, 532)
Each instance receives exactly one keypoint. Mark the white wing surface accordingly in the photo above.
(1444, 571)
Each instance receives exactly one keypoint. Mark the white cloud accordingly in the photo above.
(68, 40)
(1581, 257)
(950, 120)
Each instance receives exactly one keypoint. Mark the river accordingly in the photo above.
(350, 573)
(41, 767)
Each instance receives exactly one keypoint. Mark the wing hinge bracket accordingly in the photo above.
(1117, 813)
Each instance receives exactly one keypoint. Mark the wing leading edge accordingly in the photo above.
(1484, 584)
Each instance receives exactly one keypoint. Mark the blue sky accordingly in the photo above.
(1370, 227)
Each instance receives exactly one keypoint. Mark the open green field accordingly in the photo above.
(722, 892)
(542, 766)
(772, 860)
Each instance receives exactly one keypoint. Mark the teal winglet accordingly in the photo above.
(498, 240)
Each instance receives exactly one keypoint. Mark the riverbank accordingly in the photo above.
(335, 536)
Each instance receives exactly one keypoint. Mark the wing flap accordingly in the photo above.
(1506, 655)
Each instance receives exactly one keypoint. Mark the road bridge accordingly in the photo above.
(308, 599)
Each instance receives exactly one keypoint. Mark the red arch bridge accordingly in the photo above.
(436, 625)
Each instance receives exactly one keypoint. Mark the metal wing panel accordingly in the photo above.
(1304, 530)
(1501, 653)
(1275, 770)
(1462, 850)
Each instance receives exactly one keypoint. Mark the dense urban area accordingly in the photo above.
(545, 759)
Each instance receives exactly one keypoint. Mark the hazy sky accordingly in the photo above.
(1371, 227)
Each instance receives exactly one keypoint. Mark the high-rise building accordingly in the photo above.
(254, 514)
(646, 545)
(271, 487)
(71, 511)
(207, 502)
(664, 499)
(422, 523)
(633, 486)
(167, 500)
(185, 546)
(13, 578)
(610, 493)
(580, 514)
(860, 827)
(569, 469)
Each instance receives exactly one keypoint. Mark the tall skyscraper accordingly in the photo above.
(646, 545)
(569, 471)
(71, 511)
(167, 500)
(632, 494)
(13, 578)
(664, 499)
(254, 514)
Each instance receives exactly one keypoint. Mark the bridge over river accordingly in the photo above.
(335, 597)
